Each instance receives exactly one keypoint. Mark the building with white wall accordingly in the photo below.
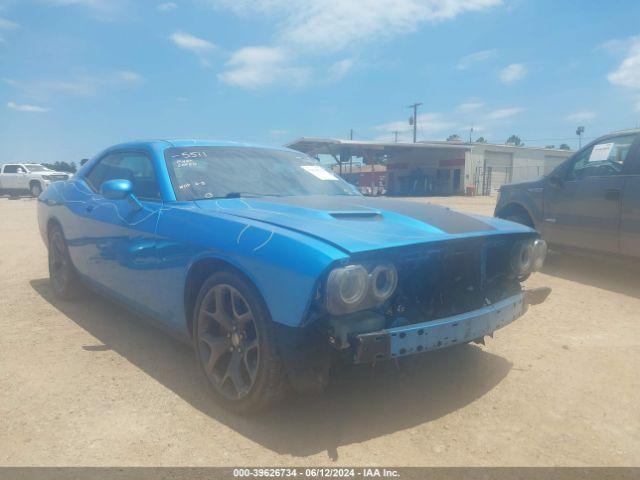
(437, 167)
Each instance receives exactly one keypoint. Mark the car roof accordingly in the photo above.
(190, 142)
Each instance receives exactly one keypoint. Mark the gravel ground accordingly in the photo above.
(89, 384)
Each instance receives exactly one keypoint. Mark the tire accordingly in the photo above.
(62, 274)
(35, 189)
(235, 344)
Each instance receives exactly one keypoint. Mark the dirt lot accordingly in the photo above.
(90, 384)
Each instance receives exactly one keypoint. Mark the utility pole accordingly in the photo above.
(414, 120)
(395, 132)
(579, 132)
(351, 134)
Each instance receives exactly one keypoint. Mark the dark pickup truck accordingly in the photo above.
(590, 202)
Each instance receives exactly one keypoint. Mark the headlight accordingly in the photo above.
(384, 279)
(528, 256)
(46, 177)
(353, 288)
(522, 258)
(346, 288)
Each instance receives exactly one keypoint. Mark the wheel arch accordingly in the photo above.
(197, 274)
(34, 181)
(516, 208)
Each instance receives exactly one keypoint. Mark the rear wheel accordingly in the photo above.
(35, 189)
(235, 344)
(62, 274)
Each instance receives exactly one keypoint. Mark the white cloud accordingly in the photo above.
(628, 72)
(619, 45)
(471, 106)
(513, 73)
(324, 27)
(260, 66)
(192, 43)
(101, 9)
(127, 76)
(167, 6)
(468, 60)
(278, 133)
(428, 123)
(504, 113)
(80, 85)
(338, 70)
(27, 108)
(332, 25)
(581, 116)
(7, 24)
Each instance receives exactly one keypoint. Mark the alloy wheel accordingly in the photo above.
(228, 342)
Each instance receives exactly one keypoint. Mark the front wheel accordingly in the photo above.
(235, 344)
(35, 189)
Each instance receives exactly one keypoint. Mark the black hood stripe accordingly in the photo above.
(442, 218)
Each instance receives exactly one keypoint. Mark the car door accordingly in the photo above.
(116, 238)
(10, 176)
(630, 216)
(583, 208)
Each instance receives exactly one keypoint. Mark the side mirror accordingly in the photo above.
(556, 182)
(116, 189)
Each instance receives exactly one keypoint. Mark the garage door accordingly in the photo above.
(499, 167)
(551, 162)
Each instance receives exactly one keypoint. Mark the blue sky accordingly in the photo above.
(79, 75)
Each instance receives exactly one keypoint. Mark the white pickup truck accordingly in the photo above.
(17, 178)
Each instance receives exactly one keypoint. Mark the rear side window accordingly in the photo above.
(606, 158)
(10, 169)
(135, 167)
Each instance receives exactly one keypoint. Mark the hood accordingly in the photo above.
(356, 224)
(526, 184)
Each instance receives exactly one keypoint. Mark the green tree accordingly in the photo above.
(515, 140)
(481, 140)
(550, 146)
(564, 146)
(62, 166)
(453, 138)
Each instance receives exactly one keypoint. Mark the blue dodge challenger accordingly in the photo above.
(273, 268)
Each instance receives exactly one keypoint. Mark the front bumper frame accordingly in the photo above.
(433, 335)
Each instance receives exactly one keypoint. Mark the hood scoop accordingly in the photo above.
(356, 215)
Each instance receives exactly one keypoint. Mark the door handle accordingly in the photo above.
(613, 194)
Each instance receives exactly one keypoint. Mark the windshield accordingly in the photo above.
(225, 172)
(36, 168)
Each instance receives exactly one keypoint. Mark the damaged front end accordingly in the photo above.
(405, 301)
(411, 300)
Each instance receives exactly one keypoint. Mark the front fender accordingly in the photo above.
(530, 198)
(283, 265)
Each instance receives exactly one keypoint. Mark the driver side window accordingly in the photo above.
(135, 167)
(603, 159)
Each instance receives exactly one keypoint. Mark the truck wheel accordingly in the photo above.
(35, 189)
(62, 274)
(235, 344)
